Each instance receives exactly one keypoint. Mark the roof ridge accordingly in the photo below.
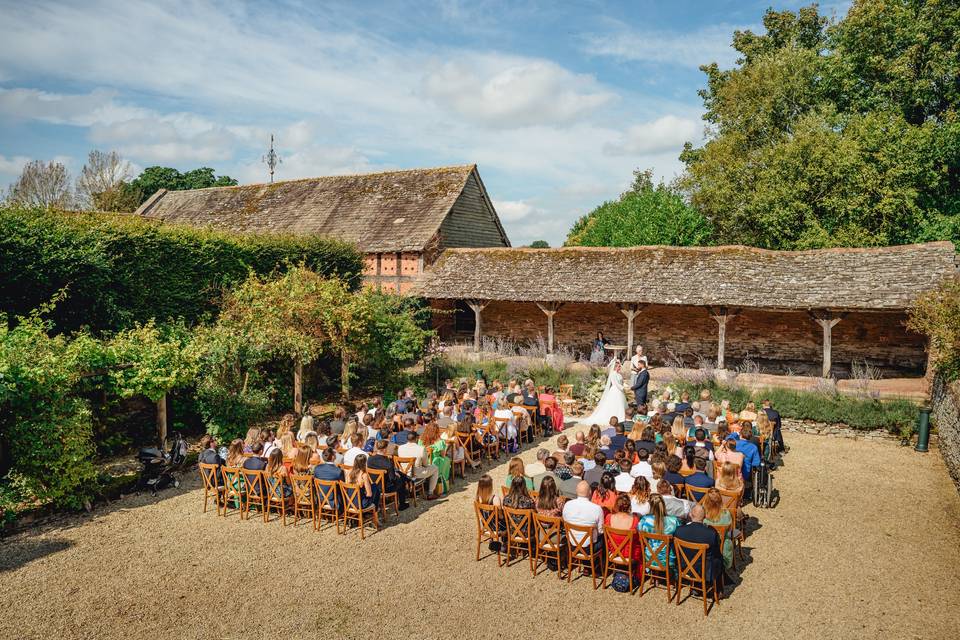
(710, 249)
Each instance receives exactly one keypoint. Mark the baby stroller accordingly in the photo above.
(158, 465)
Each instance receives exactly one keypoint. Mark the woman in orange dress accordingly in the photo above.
(550, 407)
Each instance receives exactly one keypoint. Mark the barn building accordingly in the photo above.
(400, 220)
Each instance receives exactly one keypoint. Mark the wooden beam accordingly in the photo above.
(162, 418)
(631, 311)
(477, 306)
(550, 308)
(298, 387)
(722, 315)
(827, 321)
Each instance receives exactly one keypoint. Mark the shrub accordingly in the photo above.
(936, 314)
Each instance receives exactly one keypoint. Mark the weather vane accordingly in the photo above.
(271, 159)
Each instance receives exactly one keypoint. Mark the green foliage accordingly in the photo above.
(539, 244)
(120, 270)
(834, 135)
(152, 179)
(896, 416)
(644, 215)
(397, 335)
(936, 314)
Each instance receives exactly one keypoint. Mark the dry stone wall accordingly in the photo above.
(945, 416)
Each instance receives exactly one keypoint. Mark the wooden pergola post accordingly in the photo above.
(477, 306)
(550, 308)
(297, 387)
(827, 321)
(162, 418)
(630, 311)
(722, 315)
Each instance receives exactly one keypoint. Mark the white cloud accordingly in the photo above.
(661, 135)
(12, 165)
(308, 162)
(706, 45)
(512, 210)
(509, 92)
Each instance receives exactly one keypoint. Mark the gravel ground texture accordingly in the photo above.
(864, 543)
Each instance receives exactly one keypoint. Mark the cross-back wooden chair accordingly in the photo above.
(725, 531)
(406, 467)
(328, 500)
(256, 493)
(455, 465)
(519, 533)
(466, 441)
(565, 396)
(491, 440)
(504, 491)
(502, 426)
(303, 498)
(657, 569)
(549, 540)
(731, 502)
(692, 571)
(534, 424)
(353, 510)
(580, 551)
(488, 526)
(695, 494)
(379, 477)
(619, 545)
(276, 497)
(210, 473)
(234, 491)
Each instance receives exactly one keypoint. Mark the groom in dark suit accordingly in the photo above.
(640, 385)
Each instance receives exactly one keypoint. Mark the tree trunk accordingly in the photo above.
(162, 418)
(298, 387)
(344, 375)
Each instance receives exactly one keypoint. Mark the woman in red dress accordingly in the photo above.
(621, 517)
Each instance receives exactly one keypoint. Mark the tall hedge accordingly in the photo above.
(121, 269)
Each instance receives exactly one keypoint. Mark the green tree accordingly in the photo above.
(646, 214)
(834, 135)
(539, 244)
(152, 179)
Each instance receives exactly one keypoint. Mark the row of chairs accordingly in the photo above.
(545, 538)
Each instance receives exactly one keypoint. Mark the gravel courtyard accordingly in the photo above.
(865, 543)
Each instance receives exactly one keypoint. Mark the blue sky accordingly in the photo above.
(556, 102)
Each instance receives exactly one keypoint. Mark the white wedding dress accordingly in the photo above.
(613, 402)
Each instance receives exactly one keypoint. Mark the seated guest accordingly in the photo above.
(611, 429)
(728, 452)
(715, 515)
(277, 477)
(630, 451)
(660, 522)
(700, 441)
(313, 442)
(749, 413)
(648, 440)
(269, 441)
(623, 481)
(423, 469)
(392, 480)
(564, 468)
(582, 512)
(673, 474)
(209, 455)
(613, 463)
(562, 445)
(606, 492)
(552, 408)
(729, 478)
(517, 470)
(446, 417)
(253, 435)
(536, 468)
(621, 517)
(235, 453)
(618, 441)
(593, 437)
(577, 447)
(750, 451)
(550, 465)
(677, 507)
(486, 494)
(698, 532)
(592, 475)
(356, 449)
(369, 490)
(587, 459)
(339, 421)
(301, 461)
(699, 478)
(518, 497)
(636, 431)
(328, 470)
(658, 470)
(255, 462)
(640, 496)
(642, 467)
(332, 443)
(549, 501)
(568, 487)
(687, 467)
(605, 447)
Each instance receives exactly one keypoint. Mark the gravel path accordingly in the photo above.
(864, 544)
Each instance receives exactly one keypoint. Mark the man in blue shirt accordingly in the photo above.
(329, 471)
(751, 454)
(699, 479)
(618, 441)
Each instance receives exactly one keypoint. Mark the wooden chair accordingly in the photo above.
(466, 441)
(519, 533)
(255, 493)
(619, 554)
(692, 571)
(545, 407)
(379, 477)
(548, 544)
(534, 429)
(451, 453)
(491, 440)
(209, 473)
(653, 545)
(724, 531)
(488, 526)
(565, 396)
(695, 494)
(731, 502)
(580, 551)
(232, 489)
(353, 511)
(303, 498)
(328, 499)
(406, 467)
(276, 497)
(504, 491)
(501, 425)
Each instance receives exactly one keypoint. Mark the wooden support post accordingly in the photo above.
(631, 311)
(162, 418)
(298, 387)
(827, 321)
(344, 375)
(550, 308)
(722, 315)
(477, 306)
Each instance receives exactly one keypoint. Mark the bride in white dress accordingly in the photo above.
(613, 402)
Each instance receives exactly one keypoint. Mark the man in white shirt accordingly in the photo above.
(356, 449)
(584, 513)
(422, 469)
(642, 468)
(623, 480)
(446, 419)
(635, 364)
(536, 468)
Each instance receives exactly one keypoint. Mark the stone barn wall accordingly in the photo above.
(945, 416)
(777, 341)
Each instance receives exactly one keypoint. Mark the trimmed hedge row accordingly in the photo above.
(896, 416)
(122, 269)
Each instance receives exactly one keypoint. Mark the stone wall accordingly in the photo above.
(778, 341)
(945, 416)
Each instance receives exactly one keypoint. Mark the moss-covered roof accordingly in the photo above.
(387, 211)
(888, 278)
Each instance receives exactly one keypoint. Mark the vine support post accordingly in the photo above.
(344, 374)
(722, 315)
(297, 387)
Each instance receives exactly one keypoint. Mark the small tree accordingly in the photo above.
(103, 180)
(539, 244)
(42, 184)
